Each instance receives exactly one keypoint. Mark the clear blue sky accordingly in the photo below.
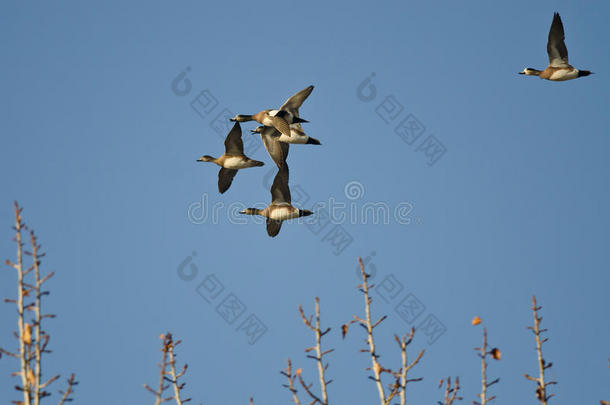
(102, 153)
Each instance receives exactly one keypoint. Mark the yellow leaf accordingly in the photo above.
(30, 377)
(299, 371)
(27, 334)
(476, 320)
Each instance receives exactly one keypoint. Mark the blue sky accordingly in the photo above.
(100, 148)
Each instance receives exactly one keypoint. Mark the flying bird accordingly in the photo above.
(297, 135)
(558, 69)
(276, 142)
(232, 160)
(280, 208)
(282, 118)
(276, 149)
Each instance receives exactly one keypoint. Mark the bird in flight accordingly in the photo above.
(558, 69)
(232, 160)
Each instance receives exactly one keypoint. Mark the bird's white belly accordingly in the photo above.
(293, 138)
(562, 75)
(284, 213)
(235, 163)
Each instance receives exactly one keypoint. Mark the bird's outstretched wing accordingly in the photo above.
(276, 149)
(556, 47)
(293, 104)
(280, 192)
(273, 227)
(225, 178)
(233, 144)
(280, 124)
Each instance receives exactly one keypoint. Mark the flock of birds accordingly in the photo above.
(282, 127)
(279, 129)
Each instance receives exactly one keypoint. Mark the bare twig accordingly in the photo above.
(168, 360)
(26, 373)
(291, 378)
(398, 386)
(541, 385)
(369, 326)
(451, 392)
(307, 388)
(483, 354)
(317, 329)
(163, 368)
(172, 371)
(38, 346)
(404, 370)
(33, 340)
(66, 396)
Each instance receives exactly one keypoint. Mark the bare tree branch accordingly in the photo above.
(168, 360)
(26, 373)
(33, 340)
(368, 325)
(398, 386)
(172, 371)
(162, 370)
(541, 385)
(404, 370)
(451, 392)
(66, 396)
(317, 329)
(308, 390)
(483, 354)
(38, 319)
(290, 386)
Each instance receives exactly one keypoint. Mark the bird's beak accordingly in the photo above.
(242, 212)
(521, 73)
(232, 119)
